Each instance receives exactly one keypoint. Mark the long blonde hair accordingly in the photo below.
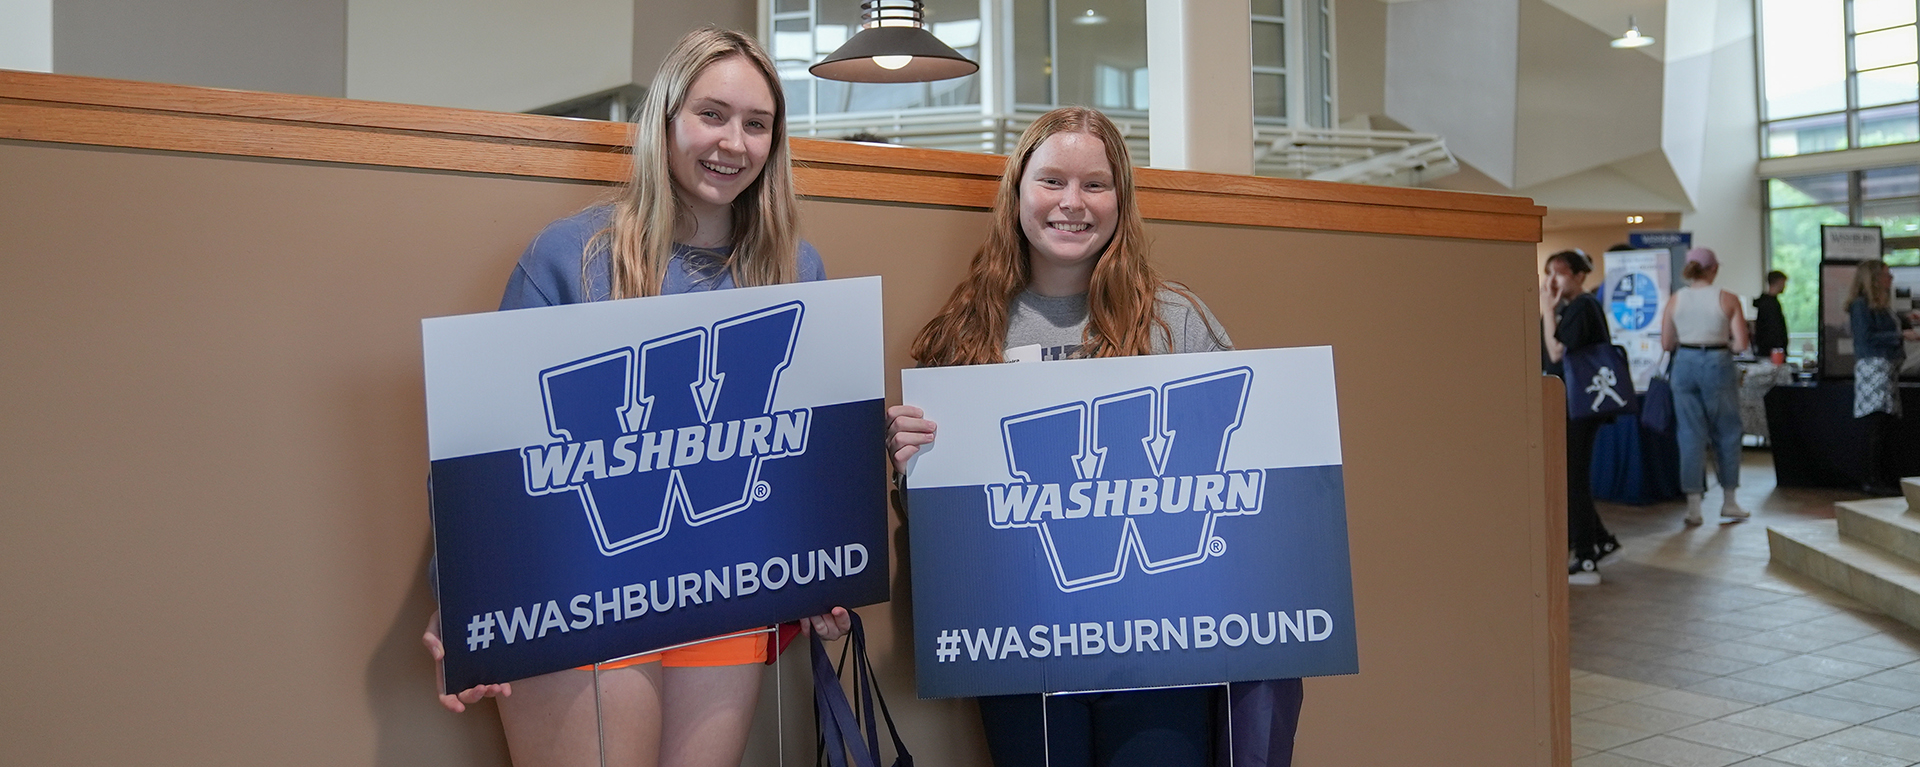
(638, 241)
(1866, 285)
(1121, 298)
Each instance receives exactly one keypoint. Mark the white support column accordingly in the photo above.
(993, 72)
(1199, 58)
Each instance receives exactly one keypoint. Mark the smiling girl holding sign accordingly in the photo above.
(1064, 274)
(710, 206)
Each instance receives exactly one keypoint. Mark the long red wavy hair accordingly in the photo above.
(1121, 318)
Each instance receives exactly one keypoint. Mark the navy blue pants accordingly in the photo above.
(1183, 727)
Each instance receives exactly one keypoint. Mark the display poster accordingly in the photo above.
(1675, 243)
(1129, 522)
(1849, 243)
(1634, 294)
(1836, 330)
(1660, 240)
(611, 478)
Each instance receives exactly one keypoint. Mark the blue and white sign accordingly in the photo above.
(615, 477)
(1130, 522)
(1634, 293)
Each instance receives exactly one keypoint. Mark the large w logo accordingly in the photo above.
(1137, 475)
(679, 425)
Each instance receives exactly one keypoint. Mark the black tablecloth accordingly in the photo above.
(1818, 443)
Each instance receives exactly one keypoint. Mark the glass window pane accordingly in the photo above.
(799, 94)
(1269, 95)
(1884, 48)
(1269, 44)
(1119, 42)
(1269, 8)
(1889, 125)
(789, 6)
(1869, 15)
(1890, 182)
(1889, 86)
(1805, 57)
(1896, 218)
(1824, 133)
(1032, 62)
(1796, 251)
(792, 41)
(1806, 190)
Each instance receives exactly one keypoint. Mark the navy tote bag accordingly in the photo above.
(1599, 385)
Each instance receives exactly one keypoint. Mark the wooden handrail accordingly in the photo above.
(92, 111)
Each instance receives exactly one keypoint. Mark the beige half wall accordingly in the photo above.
(214, 540)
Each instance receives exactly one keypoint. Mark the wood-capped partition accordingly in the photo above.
(215, 539)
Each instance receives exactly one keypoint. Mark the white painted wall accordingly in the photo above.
(1582, 104)
(1726, 215)
(1453, 69)
(278, 46)
(1360, 42)
(26, 35)
(497, 55)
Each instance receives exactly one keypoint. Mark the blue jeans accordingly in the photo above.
(1707, 407)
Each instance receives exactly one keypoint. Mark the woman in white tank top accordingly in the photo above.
(1703, 327)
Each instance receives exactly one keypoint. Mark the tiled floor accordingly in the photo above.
(1695, 652)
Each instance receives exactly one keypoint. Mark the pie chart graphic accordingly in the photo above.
(1633, 301)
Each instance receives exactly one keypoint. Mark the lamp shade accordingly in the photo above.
(1633, 38)
(893, 46)
(874, 55)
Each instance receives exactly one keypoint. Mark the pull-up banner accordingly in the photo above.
(610, 478)
(1129, 522)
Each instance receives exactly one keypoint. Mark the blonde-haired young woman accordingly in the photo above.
(1703, 327)
(1879, 346)
(709, 206)
(1065, 268)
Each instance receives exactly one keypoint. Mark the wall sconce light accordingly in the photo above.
(893, 46)
(1633, 38)
(1636, 219)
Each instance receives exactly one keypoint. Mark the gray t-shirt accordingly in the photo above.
(1058, 325)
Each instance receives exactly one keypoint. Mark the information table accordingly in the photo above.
(1818, 443)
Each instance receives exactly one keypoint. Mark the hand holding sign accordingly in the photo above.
(615, 477)
(908, 430)
(1143, 521)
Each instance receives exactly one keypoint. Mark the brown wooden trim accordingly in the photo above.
(119, 113)
(172, 131)
(1553, 410)
(129, 94)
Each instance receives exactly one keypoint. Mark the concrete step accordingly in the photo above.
(1859, 570)
(1883, 522)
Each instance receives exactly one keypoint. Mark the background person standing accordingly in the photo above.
(1879, 346)
(1769, 322)
(1571, 318)
(1703, 327)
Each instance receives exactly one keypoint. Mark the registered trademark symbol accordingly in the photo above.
(1216, 546)
(761, 490)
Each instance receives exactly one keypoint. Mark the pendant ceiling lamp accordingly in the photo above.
(893, 46)
(1633, 38)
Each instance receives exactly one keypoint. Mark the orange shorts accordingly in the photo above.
(730, 651)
